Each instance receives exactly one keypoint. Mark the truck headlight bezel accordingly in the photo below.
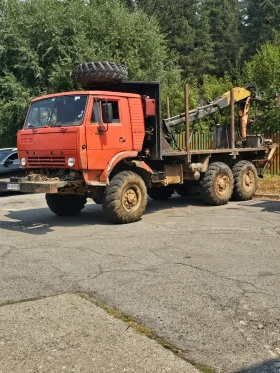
(71, 162)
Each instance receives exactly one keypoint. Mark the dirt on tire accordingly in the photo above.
(216, 185)
(125, 198)
(245, 178)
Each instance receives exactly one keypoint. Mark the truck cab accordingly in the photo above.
(81, 131)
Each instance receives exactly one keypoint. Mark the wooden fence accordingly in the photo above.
(205, 140)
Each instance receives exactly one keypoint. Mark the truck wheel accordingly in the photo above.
(245, 179)
(98, 200)
(125, 198)
(216, 185)
(187, 190)
(65, 204)
(161, 193)
(100, 72)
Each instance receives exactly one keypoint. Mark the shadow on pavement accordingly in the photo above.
(41, 221)
(271, 366)
(266, 206)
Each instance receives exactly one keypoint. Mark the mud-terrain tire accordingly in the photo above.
(100, 72)
(161, 193)
(187, 190)
(98, 200)
(125, 198)
(216, 185)
(65, 204)
(245, 178)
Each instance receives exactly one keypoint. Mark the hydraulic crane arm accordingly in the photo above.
(240, 94)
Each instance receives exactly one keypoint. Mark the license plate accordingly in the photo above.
(13, 186)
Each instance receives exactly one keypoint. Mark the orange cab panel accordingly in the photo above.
(49, 147)
(106, 140)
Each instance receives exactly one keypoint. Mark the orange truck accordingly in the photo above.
(109, 143)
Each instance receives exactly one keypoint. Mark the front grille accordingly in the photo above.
(46, 161)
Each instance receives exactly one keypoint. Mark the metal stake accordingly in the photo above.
(232, 123)
(187, 121)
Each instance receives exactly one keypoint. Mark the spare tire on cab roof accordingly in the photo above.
(100, 72)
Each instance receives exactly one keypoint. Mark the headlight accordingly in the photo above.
(23, 161)
(71, 162)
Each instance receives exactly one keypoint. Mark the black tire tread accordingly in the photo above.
(59, 204)
(89, 73)
(187, 190)
(238, 193)
(112, 198)
(207, 191)
(160, 193)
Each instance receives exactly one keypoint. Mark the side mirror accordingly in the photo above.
(107, 112)
(8, 162)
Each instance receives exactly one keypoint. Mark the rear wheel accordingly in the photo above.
(187, 190)
(125, 198)
(65, 204)
(217, 184)
(98, 198)
(161, 193)
(245, 178)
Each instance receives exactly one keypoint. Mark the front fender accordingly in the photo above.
(119, 157)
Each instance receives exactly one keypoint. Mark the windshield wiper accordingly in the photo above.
(58, 124)
(29, 125)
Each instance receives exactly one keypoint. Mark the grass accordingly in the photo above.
(204, 368)
(147, 332)
(269, 185)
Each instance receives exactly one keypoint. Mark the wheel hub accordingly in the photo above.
(222, 185)
(248, 181)
(131, 198)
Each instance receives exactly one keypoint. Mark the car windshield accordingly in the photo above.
(57, 112)
(3, 155)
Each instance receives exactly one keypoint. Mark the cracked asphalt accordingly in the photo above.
(204, 278)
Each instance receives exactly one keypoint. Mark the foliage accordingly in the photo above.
(41, 41)
(210, 44)
(260, 23)
(223, 18)
(263, 69)
(186, 29)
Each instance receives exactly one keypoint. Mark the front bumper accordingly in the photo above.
(32, 186)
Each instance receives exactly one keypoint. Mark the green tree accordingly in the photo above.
(41, 41)
(260, 23)
(264, 71)
(224, 20)
(186, 30)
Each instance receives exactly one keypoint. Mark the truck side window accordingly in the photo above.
(115, 107)
(95, 115)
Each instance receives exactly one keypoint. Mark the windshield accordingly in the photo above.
(57, 111)
(3, 155)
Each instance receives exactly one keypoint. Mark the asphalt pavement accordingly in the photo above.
(67, 333)
(206, 279)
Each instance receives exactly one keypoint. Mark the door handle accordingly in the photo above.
(122, 139)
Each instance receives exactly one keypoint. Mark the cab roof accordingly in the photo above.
(93, 93)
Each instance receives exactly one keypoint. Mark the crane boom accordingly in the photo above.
(240, 94)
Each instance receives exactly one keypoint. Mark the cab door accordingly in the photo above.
(104, 140)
